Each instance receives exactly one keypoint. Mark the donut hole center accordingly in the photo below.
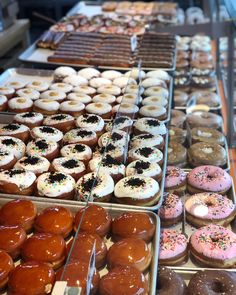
(218, 287)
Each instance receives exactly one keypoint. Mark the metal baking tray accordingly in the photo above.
(154, 245)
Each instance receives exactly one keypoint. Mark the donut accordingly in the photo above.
(136, 74)
(169, 282)
(55, 220)
(28, 93)
(156, 91)
(177, 135)
(116, 152)
(46, 106)
(206, 282)
(137, 190)
(120, 123)
(63, 122)
(15, 84)
(20, 105)
(72, 167)
(44, 148)
(104, 98)
(133, 225)
(35, 164)
(93, 219)
(159, 74)
(76, 275)
(47, 132)
(205, 97)
(133, 89)
(171, 210)
(173, 248)
(17, 182)
(80, 249)
(203, 119)
(73, 108)
(96, 188)
(30, 119)
(91, 122)
(129, 252)
(98, 82)
(7, 91)
(126, 109)
(75, 80)
(150, 154)
(77, 151)
(117, 137)
(182, 83)
(214, 246)
(61, 72)
(6, 266)
(40, 86)
(202, 83)
(208, 179)
(60, 87)
(3, 103)
(175, 181)
(11, 239)
(205, 208)
(207, 135)
(123, 280)
(153, 82)
(177, 155)
(12, 145)
(180, 98)
(40, 279)
(177, 118)
(155, 100)
(53, 95)
(80, 97)
(7, 160)
(147, 140)
(15, 130)
(101, 109)
(18, 212)
(56, 185)
(85, 89)
(80, 135)
(203, 153)
(144, 168)
(154, 111)
(45, 247)
(202, 69)
(108, 89)
(123, 81)
(130, 98)
(111, 74)
(89, 73)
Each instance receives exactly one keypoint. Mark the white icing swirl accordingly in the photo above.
(126, 108)
(85, 89)
(129, 98)
(153, 82)
(104, 97)
(63, 72)
(15, 84)
(111, 74)
(12, 145)
(3, 99)
(6, 90)
(48, 133)
(123, 81)
(160, 74)
(155, 111)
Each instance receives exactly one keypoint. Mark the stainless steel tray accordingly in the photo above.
(154, 245)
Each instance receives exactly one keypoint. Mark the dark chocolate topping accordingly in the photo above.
(11, 127)
(89, 184)
(46, 129)
(30, 160)
(109, 161)
(70, 164)
(9, 141)
(59, 117)
(116, 136)
(146, 151)
(79, 148)
(135, 182)
(84, 133)
(41, 144)
(90, 119)
(146, 136)
(56, 177)
(110, 147)
(141, 165)
(153, 122)
(15, 172)
(29, 115)
(120, 120)
(2, 153)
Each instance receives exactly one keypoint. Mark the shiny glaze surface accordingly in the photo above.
(11, 237)
(6, 265)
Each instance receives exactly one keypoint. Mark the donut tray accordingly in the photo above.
(151, 273)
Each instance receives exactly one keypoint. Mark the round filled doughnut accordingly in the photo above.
(77, 151)
(149, 126)
(7, 160)
(175, 181)
(43, 148)
(72, 107)
(30, 119)
(62, 122)
(209, 135)
(203, 119)
(6, 266)
(20, 105)
(13, 146)
(16, 130)
(35, 164)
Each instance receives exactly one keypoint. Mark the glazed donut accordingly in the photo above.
(46, 106)
(89, 73)
(105, 98)
(91, 122)
(126, 109)
(97, 188)
(206, 282)
(80, 135)
(109, 89)
(79, 97)
(85, 89)
(120, 123)
(18, 212)
(171, 210)
(208, 179)
(182, 83)
(56, 185)
(137, 190)
(28, 93)
(157, 91)
(144, 168)
(154, 111)
(99, 108)
(99, 82)
(75, 80)
(16, 130)
(203, 153)
(175, 181)
(55, 220)
(7, 91)
(173, 248)
(62, 72)
(63, 122)
(59, 87)
(3, 103)
(35, 164)
(177, 135)
(133, 225)
(208, 135)
(40, 86)
(123, 279)
(73, 108)
(111, 74)
(177, 155)
(129, 252)
(149, 126)
(205, 97)
(180, 98)
(203, 119)
(169, 282)
(203, 82)
(29, 119)
(53, 95)
(155, 100)
(177, 118)
(6, 266)
(17, 182)
(205, 208)
(216, 249)
(46, 132)
(12, 145)
(150, 154)
(44, 148)
(93, 219)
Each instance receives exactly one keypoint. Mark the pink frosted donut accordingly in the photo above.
(173, 247)
(205, 208)
(175, 181)
(214, 246)
(208, 179)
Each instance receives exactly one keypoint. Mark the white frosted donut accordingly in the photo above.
(62, 72)
(98, 108)
(46, 132)
(126, 108)
(12, 145)
(136, 187)
(98, 82)
(47, 104)
(93, 187)
(123, 81)
(133, 89)
(104, 97)
(15, 84)
(143, 168)
(68, 165)
(160, 74)
(106, 164)
(35, 164)
(12, 128)
(150, 125)
(38, 85)
(150, 154)
(71, 106)
(129, 98)
(153, 82)
(7, 90)
(157, 91)
(53, 95)
(54, 184)
(21, 178)
(20, 103)
(78, 151)
(116, 137)
(90, 122)
(109, 89)
(155, 100)
(136, 74)
(58, 118)
(79, 136)
(89, 73)
(28, 93)
(61, 87)
(114, 151)
(3, 99)
(200, 46)
(6, 157)
(119, 123)
(111, 74)
(147, 140)
(75, 80)
(154, 111)
(41, 147)
(85, 89)
(81, 97)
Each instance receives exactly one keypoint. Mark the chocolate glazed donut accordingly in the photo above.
(212, 282)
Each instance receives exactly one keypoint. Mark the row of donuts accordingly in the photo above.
(122, 242)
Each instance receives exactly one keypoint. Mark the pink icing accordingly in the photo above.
(214, 241)
(172, 243)
(209, 178)
(174, 176)
(172, 207)
(218, 206)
